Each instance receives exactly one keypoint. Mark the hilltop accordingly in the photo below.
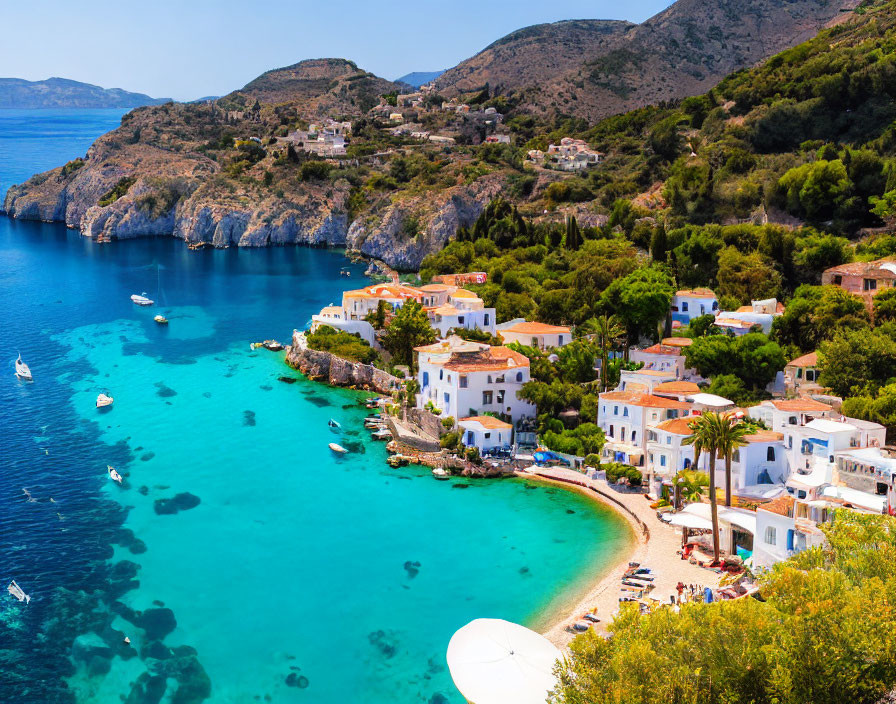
(65, 93)
(592, 69)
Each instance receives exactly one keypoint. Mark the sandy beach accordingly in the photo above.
(656, 547)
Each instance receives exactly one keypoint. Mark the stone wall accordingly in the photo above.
(336, 371)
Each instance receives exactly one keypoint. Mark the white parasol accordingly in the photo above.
(497, 662)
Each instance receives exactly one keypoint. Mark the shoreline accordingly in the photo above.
(656, 546)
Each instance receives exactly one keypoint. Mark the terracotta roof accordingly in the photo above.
(634, 398)
(696, 292)
(678, 341)
(676, 387)
(650, 372)
(764, 436)
(331, 309)
(384, 291)
(436, 288)
(744, 309)
(783, 506)
(536, 329)
(446, 310)
(800, 404)
(463, 293)
(678, 426)
(732, 323)
(662, 349)
(489, 422)
(493, 359)
(807, 360)
(865, 268)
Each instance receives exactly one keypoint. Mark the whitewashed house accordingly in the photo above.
(688, 304)
(486, 433)
(335, 317)
(539, 335)
(624, 416)
(661, 358)
(464, 379)
(451, 307)
(787, 526)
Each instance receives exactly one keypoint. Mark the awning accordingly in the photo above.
(689, 520)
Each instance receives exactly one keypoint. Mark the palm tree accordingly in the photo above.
(731, 436)
(605, 330)
(705, 438)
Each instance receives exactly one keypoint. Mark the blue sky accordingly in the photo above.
(185, 49)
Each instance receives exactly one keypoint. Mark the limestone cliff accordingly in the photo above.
(336, 371)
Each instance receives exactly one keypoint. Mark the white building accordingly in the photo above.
(663, 358)
(468, 378)
(538, 335)
(786, 526)
(361, 302)
(648, 380)
(624, 416)
(759, 314)
(450, 307)
(486, 433)
(335, 317)
(688, 304)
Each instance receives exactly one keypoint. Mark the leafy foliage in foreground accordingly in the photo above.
(826, 634)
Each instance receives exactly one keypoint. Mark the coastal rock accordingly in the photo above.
(180, 502)
(336, 371)
(156, 623)
(88, 646)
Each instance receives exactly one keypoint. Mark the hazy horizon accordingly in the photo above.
(208, 48)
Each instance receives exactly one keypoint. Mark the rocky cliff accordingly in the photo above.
(336, 371)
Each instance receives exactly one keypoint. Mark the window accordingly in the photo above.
(771, 537)
(662, 460)
(838, 280)
(519, 377)
(485, 319)
(625, 412)
(425, 379)
(869, 284)
(615, 410)
(486, 398)
(449, 378)
(634, 436)
(622, 434)
(668, 439)
(447, 398)
(735, 456)
(770, 455)
(488, 435)
(489, 378)
(534, 342)
(460, 319)
(684, 307)
(560, 340)
(463, 382)
(500, 397)
(611, 431)
(441, 374)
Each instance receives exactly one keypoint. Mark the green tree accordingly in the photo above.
(409, 328)
(885, 306)
(640, 301)
(606, 332)
(377, 318)
(817, 313)
(706, 438)
(817, 189)
(858, 362)
(730, 436)
(747, 276)
(753, 358)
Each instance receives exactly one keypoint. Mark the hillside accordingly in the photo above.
(592, 69)
(64, 93)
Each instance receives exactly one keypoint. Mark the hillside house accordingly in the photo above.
(539, 335)
(451, 307)
(688, 304)
(801, 374)
(864, 279)
(469, 378)
(786, 526)
(486, 433)
(624, 416)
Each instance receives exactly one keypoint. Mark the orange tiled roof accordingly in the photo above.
(764, 436)
(489, 422)
(783, 506)
(436, 288)
(864, 268)
(807, 360)
(384, 291)
(536, 329)
(678, 426)
(463, 293)
(800, 404)
(676, 387)
(634, 398)
(494, 359)
(744, 309)
(662, 349)
(696, 292)
(678, 341)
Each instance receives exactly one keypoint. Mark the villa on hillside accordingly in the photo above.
(759, 315)
(801, 374)
(486, 433)
(688, 304)
(464, 379)
(450, 307)
(570, 155)
(864, 279)
(667, 356)
(537, 335)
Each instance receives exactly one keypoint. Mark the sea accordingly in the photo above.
(239, 561)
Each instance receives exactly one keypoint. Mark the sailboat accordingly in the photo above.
(114, 475)
(103, 400)
(22, 370)
(16, 591)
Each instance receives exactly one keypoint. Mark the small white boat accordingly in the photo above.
(339, 449)
(22, 370)
(113, 474)
(382, 434)
(334, 424)
(142, 300)
(440, 473)
(102, 401)
(16, 591)
(161, 320)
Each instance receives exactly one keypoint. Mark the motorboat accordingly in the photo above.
(16, 591)
(22, 370)
(335, 426)
(338, 449)
(161, 320)
(382, 434)
(142, 300)
(113, 474)
(103, 400)
(440, 473)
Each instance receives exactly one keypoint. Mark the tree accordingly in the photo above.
(605, 331)
(753, 358)
(747, 276)
(885, 306)
(706, 437)
(573, 234)
(817, 313)
(409, 328)
(816, 190)
(377, 318)
(690, 483)
(858, 362)
(640, 300)
(730, 436)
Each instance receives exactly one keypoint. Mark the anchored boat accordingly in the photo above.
(338, 449)
(161, 320)
(22, 370)
(113, 475)
(102, 401)
(16, 591)
(142, 300)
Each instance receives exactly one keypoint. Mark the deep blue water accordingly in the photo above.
(295, 568)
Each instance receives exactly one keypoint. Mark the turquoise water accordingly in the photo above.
(339, 576)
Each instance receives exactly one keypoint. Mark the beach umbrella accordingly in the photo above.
(497, 662)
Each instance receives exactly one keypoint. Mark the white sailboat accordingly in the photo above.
(113, 474)
(103, 400)
(142, 300)
(22, 370)
(16, 591)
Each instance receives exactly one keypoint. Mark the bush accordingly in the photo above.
(315, 171)
(342, 344)
(617, 471)
(120, 189)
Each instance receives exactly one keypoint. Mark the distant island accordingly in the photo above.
(419, 78)
(65, 93)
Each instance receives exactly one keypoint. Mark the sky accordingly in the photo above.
(186, 49)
